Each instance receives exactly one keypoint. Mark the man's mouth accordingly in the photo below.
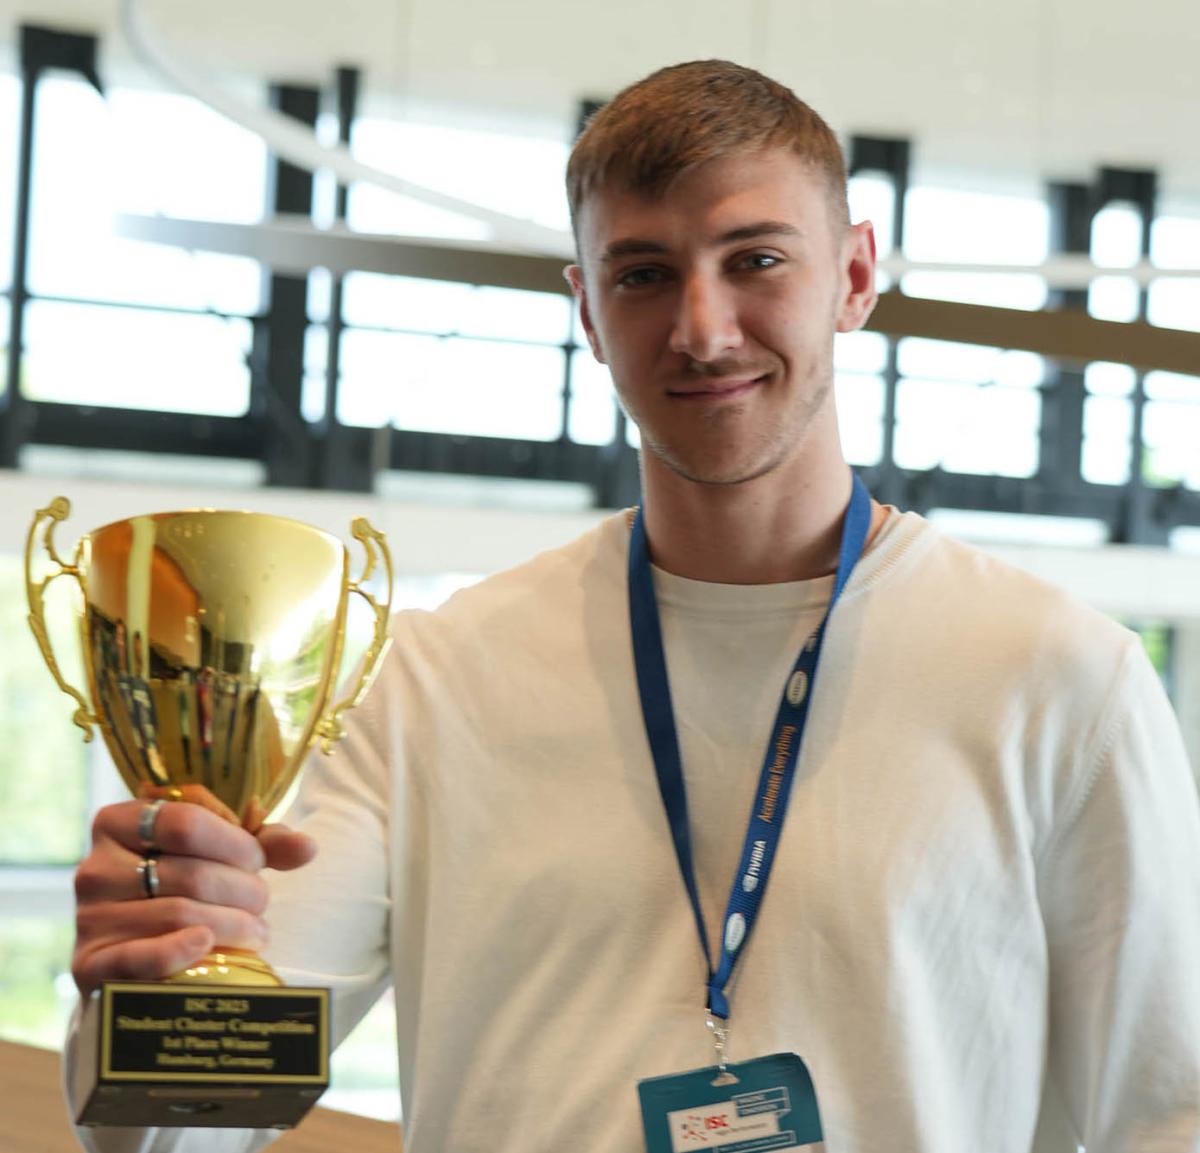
(718, 388)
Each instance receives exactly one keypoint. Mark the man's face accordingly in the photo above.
(715, 306)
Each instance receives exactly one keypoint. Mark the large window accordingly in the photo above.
(1171, 418)
(172, 334)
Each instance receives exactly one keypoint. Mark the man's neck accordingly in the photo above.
(763, 531)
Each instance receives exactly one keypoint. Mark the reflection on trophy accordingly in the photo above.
(212, 642)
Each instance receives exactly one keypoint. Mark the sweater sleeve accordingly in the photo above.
(328, 921)
(1120, 886)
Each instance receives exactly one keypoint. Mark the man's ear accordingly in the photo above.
(858, 271)
(573, 274)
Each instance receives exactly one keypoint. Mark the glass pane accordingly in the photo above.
(964, 428)
(1175, 303)
(1020, 528)
(43, 760)
(593, 415)
(1114, 298)
(4, 321)
(364, 1072)
(969, 363)
(168, 362)
(1010, 290)
(316, 348)
(319, 285)
(956, 226)
(1017, 369)
(524, 175)
(1172, 386)
(860, 416)
(860, 352)
(947, 224)
(36, 990)
(468, 387)
(10, 119)
(578, 335)
(375, 209)
(873, 197)
(1171, 433)
(1117, 236)
(511, 314)
(1175, 241)
(175, 155)
(147, 153)
(1158, 640)
(1101, 378)
(1107, 429)
(404, 302)
(312, 396)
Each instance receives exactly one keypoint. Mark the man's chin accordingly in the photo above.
(717, 474)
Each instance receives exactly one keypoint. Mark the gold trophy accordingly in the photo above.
(212, 642)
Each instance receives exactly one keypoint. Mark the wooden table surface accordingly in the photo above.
(33, 1115)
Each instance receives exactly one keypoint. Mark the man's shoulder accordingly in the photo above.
(971, 598)
(540, 592)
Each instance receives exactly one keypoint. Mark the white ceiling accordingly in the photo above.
(1006, 93)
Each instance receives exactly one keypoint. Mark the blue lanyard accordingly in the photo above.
(779, 764)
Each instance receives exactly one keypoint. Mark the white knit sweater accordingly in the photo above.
(988, 886)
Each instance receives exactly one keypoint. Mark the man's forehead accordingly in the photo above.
(736, 198)
(741, 188)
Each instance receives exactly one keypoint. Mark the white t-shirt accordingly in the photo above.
(988, 882)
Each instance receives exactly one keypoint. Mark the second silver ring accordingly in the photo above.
(148, 871)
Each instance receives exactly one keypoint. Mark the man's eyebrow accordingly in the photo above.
(761, 228)
(632, 247)
(635, 246)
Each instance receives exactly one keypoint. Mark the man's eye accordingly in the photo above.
(638, 277)
(756, 260)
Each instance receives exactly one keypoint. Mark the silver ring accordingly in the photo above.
(148, 871)
(147, 819)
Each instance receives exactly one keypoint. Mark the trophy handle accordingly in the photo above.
(57, 510)
(329, 728)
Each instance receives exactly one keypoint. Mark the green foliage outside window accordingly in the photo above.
(43, 781)
(1156, 638)
(35, 952)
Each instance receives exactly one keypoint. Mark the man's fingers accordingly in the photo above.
(104, 925)
(182, 829)
(99, 880)
(141, 960)
(286, 848)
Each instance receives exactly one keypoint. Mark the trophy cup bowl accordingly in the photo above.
(211, 643)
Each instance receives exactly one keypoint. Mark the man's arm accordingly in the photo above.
(1120, 885)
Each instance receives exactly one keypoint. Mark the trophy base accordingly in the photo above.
(210, 1056)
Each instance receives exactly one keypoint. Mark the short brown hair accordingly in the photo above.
(680, 117)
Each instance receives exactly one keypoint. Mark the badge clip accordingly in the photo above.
(720, 1037)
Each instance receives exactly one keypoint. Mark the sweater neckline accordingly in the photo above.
(895, 538)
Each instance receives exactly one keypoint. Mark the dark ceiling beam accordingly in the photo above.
(1065, 335)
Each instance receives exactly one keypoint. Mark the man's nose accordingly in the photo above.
(706, 320)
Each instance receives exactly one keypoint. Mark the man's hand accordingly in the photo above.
(209, 890)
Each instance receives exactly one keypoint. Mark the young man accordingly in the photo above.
(987, 887)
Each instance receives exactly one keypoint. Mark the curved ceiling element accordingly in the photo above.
(293, 142)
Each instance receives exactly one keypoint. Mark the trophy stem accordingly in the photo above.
(228, 967)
